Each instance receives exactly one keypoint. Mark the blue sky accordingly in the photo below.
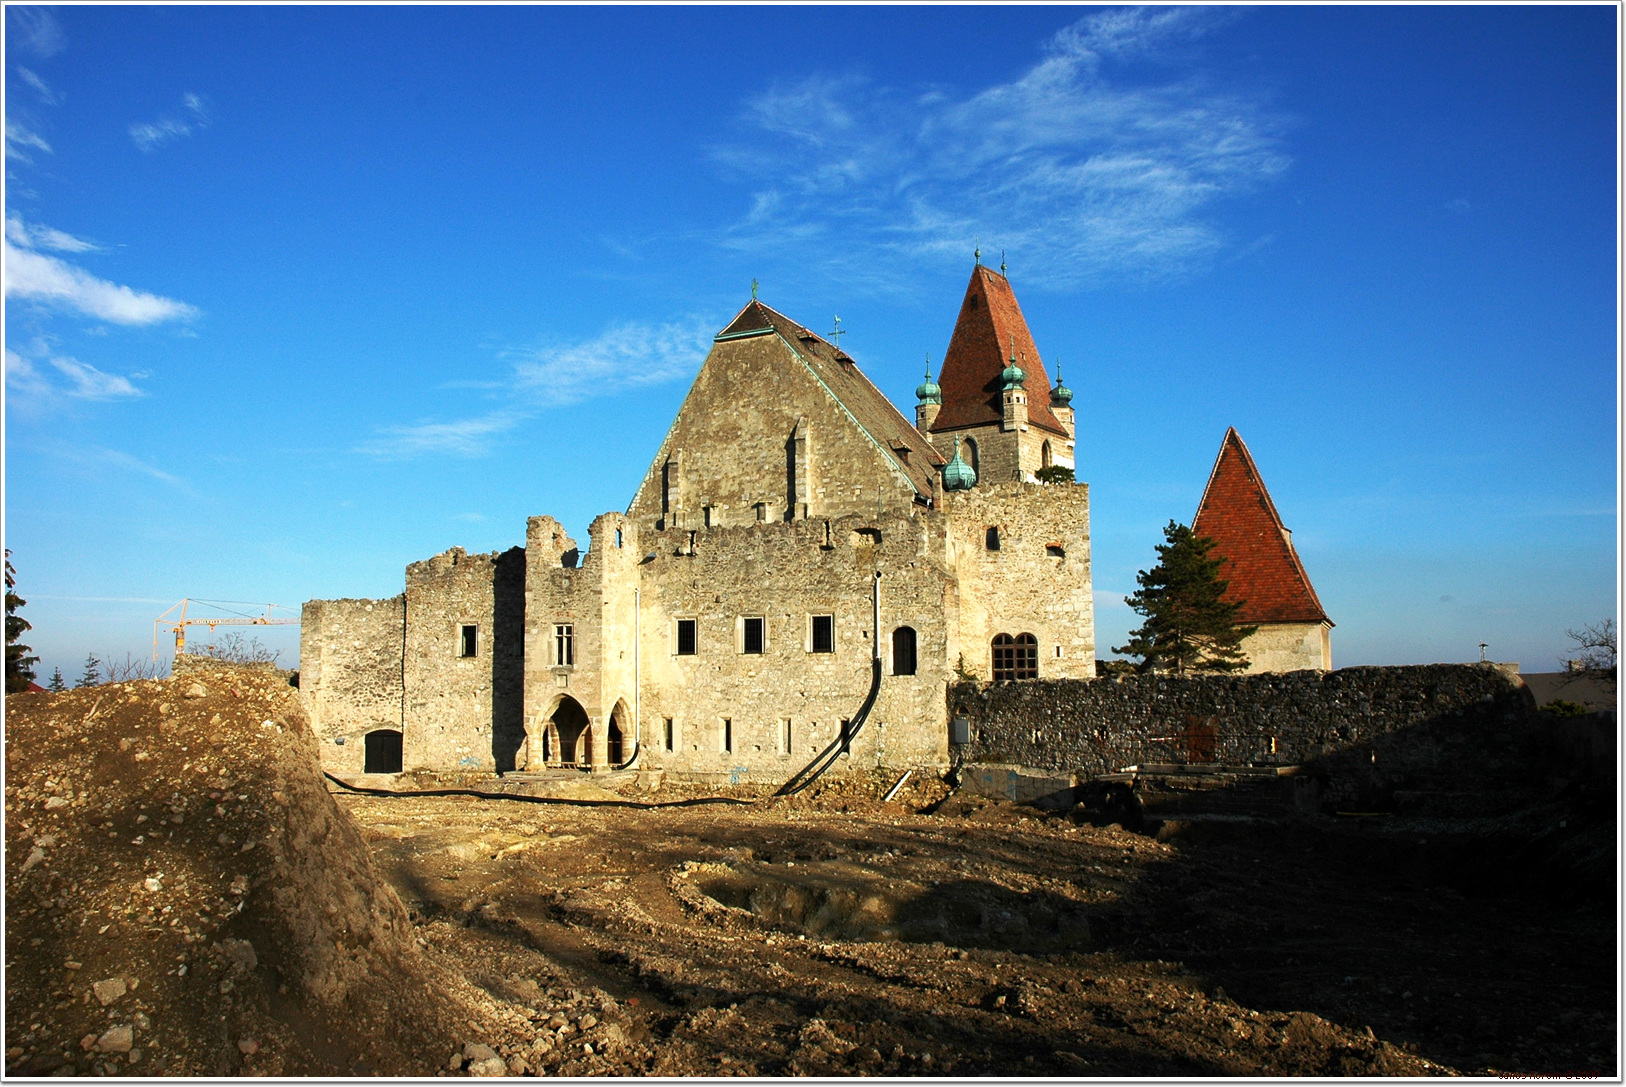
(297, 295)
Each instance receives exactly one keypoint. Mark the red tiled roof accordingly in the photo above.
(894, 434)
(1261, 565)
(989, 321)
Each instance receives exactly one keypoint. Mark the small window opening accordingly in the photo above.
(784, 736)
(671, 736)
(618, 537)
(564, 646)
(728, 735)
(751, 636)
(762, 511)
(903, 651)
(827, 543)
(691, 542)
(846, 735)
(468, 642)
(1045, 456)
(1058, 652)
(991, 539)
(824, 634)
(1015, 658)
(686, 637)
(1055, 551)
(706, 510)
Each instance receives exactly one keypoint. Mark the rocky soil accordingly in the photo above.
(185, 896)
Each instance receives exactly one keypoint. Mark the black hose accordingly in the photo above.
(523, 798)
(824, 759)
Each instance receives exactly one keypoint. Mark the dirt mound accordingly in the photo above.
(185, 898)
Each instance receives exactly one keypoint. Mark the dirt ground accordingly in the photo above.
(592, 930)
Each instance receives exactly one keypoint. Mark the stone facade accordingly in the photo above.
(791, 531)
(1289, 647)
(1269, 719)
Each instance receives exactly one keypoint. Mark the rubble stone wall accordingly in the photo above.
(350, 658)
(1282, 718)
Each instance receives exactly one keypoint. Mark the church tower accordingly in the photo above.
(993, 395)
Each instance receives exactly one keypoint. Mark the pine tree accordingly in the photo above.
(19, 663)
(93, 672)
(57, 682)
(1188, 627)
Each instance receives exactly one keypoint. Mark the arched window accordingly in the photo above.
(381, 752)
(903, 651)
(1015, 658)
(1044, 455)
(971, 457)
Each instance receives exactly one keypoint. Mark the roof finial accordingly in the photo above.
(753, 288)
(1002, 262)
(836, 334)
(977, 253)
(1013, 349)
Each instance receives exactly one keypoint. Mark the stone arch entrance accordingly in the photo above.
(569, 739)
(381, 752)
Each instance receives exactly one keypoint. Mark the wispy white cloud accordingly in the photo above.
(20, 141)
(460, 438)
(97, 457)
(50, 281)
(149, 136)
(1076, 169)
(44, 237)
(47, 95)
(625, 356)
(33, 29)
(28, 386)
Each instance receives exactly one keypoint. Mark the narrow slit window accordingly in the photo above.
(468, 641)
(991, 538)
(564, 646)
(687, 636)
(846, 735)
(728, 735)
(751, 635)
(784, 736)
(824, 634)
(671, 735)
(618, 537)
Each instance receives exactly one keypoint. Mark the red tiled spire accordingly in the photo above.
(1261, 565)
(990, 322)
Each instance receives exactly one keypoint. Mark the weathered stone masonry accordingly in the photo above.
(1106, 725)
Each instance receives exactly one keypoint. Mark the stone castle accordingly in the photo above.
(796, 581)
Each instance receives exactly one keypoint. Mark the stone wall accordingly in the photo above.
(451, 716)
(1289, 647)
(1284, 718)
(1037, 581)
(350, 660)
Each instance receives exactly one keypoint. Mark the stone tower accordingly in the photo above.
(993, 394)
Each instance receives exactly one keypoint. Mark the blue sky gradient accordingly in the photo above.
(297, 295)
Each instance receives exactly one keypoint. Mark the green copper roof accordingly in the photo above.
(957, 474)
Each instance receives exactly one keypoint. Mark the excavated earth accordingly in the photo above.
(187, 896)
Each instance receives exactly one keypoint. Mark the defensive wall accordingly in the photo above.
(1099, 727)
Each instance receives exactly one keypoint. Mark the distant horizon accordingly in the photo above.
(298, 295)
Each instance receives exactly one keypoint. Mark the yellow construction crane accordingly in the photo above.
(179, 623)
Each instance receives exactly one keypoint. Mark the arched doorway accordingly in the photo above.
(612, 744)
(572, 733)
(381, 752)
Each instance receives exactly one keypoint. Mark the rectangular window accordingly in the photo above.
(784, 736)
(824, 634)
(751, 635)
(671, 736)
(846, 735)
(686, 637)
(564, 646)
(468, 642)
(728, 736)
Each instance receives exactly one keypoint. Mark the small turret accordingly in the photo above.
(930, 395)
(1015, 394)
(1061, 402)
(957, 474)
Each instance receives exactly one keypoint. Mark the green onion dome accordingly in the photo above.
(957, 474)
(928, 391)
(1012, 376)
(1061, 396)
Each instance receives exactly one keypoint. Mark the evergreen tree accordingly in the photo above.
(19, 663)
(93, 672)
(57, 682)
(1188, 627)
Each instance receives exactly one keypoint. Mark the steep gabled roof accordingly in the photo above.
(1261, 563)
(894, 434)
(990, 322)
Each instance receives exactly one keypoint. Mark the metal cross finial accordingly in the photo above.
(836, 334)
(928, 367)
(1013, 349)
(753, 288)
(1002, 262)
